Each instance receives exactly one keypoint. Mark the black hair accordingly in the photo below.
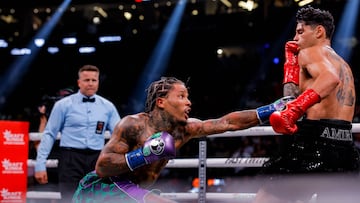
(314, 16)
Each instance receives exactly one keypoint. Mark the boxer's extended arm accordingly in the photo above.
(291, 70)
(159, 146)
(236, 120)
(285, 121)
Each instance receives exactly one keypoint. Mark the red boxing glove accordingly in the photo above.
(284, 122)
(291, 65)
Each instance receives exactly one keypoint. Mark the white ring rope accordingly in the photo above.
(265, 130)
(246, 197)
(43, 195)
(190, 163)
(179, 196)
(50, 163)
(253, 131)
(174, 196)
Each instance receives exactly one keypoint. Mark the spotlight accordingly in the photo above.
(39, 42)
(303, 2)
(3, 43)
(86, 50)
(69, 40)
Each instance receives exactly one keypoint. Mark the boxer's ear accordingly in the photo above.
(320, 31)
(160, 102)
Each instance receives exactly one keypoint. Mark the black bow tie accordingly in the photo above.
(88, 99)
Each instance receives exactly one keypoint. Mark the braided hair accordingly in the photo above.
(159, 88)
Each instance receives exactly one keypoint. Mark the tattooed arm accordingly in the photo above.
(127, 136)
(237, 120)
(291, 89)
(330, 76)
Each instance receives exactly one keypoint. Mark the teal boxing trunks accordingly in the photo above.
(93, 189)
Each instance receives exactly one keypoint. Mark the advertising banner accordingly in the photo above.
(14, 145)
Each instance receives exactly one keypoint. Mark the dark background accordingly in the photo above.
(245, 77)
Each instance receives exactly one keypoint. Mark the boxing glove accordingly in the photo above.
(158, 146)
(285, 121)
(291, 65)
(263, 113)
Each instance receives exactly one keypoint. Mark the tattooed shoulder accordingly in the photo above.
(132, 129)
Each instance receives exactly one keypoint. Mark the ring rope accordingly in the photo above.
(182, 196)
(232, 162)
(174, 196)
(253, 131)
(43, 195)
(210, 195)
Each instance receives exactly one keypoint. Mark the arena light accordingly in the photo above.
(96, 20)
(39, 42)
(248, 5)
(20, 51)
(226, 3)
(53, 50)
(303, 2)
(3, 43)
(195, 12)
(276, 60)
(87, 50)
(101, 11)
(69, 40)
(104, 39)
(220, 52)
(127, 15)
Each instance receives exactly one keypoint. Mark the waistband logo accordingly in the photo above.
(337, 134)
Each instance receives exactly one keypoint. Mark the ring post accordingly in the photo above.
(202, 170)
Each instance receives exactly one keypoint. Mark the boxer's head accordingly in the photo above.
(315, 17)
(159, 88)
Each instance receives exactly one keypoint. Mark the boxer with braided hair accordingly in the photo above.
(319, 119)
(142, 144)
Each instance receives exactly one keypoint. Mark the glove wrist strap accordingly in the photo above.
(263, 113)
(135, 159)
(308, 98)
